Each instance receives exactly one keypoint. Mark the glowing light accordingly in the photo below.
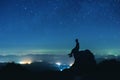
(116, 55)
(61, 69)
(25, 62)
(71, 64)
(58, 63)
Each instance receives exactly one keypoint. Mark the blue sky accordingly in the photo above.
(51, 26)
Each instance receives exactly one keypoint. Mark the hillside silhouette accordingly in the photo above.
(84, 68)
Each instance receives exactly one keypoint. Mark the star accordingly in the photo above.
(56, 23)
(25, 8)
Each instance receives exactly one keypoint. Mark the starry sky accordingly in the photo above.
(51, 26)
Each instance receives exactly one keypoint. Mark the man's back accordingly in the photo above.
(75, 49)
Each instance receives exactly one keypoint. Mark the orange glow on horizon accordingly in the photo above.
(27, 61)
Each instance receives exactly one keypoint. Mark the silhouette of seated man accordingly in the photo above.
(75, 49)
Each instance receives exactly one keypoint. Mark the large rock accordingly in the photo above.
(84, 62)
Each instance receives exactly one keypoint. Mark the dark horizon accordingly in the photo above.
(84, 67)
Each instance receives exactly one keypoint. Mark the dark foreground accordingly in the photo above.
(84, 68)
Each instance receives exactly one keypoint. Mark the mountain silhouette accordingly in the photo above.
(83, 68)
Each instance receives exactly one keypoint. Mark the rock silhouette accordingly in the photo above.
(84, 62)
(14, 72)
(84, 68)
(108, 70)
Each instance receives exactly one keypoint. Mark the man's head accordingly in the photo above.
(76, 40)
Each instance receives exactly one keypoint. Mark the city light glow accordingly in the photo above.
(58, 63)
(25, 62)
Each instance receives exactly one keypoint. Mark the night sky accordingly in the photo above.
(51, 26)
